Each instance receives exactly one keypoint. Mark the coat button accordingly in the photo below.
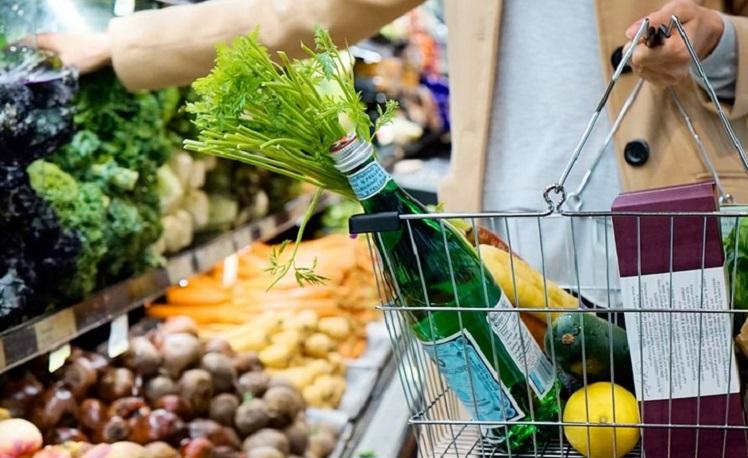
(615, 59)
(636, 153)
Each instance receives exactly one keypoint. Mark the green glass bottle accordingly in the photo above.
(489, 360)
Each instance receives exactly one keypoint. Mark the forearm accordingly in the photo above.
(174, 46)
(721, 66)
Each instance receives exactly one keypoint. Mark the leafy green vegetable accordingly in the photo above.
(736, 260)
(119, 145)
(275, 116)
(81, 208)
(283, 117)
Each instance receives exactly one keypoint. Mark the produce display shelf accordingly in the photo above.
(49, 332)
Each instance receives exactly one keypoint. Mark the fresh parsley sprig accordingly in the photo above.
(280, 115)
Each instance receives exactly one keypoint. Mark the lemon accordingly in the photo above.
(598, 398)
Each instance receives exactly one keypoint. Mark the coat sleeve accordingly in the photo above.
(174, 46)
(738, 15)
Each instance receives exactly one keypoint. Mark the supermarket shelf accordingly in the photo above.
(47, 333)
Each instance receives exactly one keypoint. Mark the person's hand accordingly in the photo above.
(669, 64)
(88, 52)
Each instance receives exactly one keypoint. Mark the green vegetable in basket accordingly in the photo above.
(736, 260)
(585, 345)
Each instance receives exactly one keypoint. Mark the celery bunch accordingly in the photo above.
(282, 115)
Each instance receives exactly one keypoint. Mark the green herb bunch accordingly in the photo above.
(279, 115)
(282, 115)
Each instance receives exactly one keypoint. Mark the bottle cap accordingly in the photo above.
(350, 152)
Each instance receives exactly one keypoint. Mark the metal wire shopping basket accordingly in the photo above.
(707, 421)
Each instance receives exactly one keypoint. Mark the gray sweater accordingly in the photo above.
(548, 82)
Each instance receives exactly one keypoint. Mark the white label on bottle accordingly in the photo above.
(369, 180)
(694, 347)
(469, 375)
(522, 348)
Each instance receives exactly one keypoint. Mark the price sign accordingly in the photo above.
(242, 238)
(53, 330)
(118, 342)
(179, 268)
(206, 257)
(57, 358)
(267, 227)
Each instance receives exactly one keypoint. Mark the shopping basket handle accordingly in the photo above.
(555, 194)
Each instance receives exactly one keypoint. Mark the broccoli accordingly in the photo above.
(82, 209)
(119, 144)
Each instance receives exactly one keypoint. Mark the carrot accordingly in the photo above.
(201, 314)
(352, 348)
(197, 292)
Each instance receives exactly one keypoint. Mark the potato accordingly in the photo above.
(160, 450)
(337, 327)
(265, 452)
(337, 362)
(254, 383)
(298, 437)
(196, 386)
(247, 361)
(318, 345)
(180, 351)
(276, 356)
(283, 405)
(267, 438)
(221, 369)
(251, 416)
(223, 408)
(321, 443)
(319, 367)
(288, 338)
(179, 324)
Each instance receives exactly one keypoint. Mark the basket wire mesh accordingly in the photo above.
(442, 426)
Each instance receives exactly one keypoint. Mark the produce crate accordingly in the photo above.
(624, 346)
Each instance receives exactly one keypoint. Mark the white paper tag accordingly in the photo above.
(57, 357)
(694, 347)
(524, 351)
(230, 269)
(118, 342)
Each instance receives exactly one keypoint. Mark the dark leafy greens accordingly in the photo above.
(38, 251)
(120, 142)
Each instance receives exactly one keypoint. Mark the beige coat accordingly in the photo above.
(174, 46)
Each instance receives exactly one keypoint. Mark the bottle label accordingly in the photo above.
(522, 348)
(473, 380)
(369, 180)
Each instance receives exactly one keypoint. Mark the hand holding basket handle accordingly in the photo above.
(669, 64)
